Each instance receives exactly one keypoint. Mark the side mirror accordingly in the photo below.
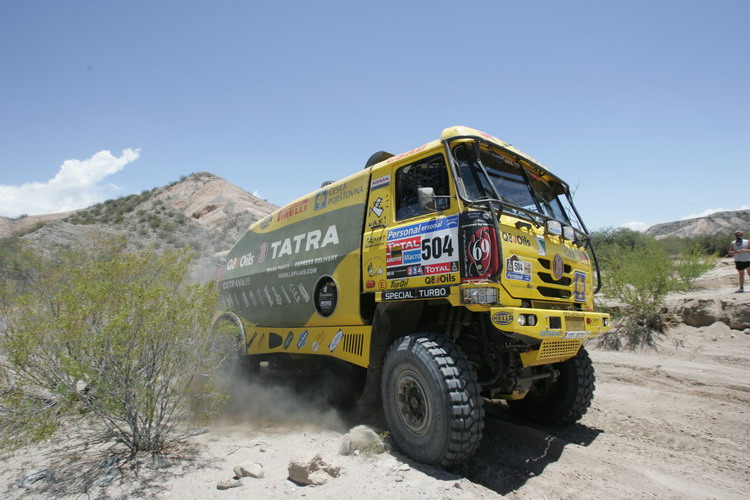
(426, 198)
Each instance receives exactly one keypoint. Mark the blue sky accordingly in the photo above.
(642, 106)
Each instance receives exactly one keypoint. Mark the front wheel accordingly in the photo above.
(431, 400)
(563, 401)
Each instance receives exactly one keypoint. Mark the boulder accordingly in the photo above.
(700, 312)
(250, 469)
(361, 438)
(312, 470)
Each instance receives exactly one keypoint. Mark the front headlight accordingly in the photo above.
(554, 228)
(483, 295)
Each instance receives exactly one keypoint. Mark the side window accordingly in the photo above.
(430, 172)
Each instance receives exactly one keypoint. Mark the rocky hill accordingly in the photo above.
(719, 222)
(201, 210)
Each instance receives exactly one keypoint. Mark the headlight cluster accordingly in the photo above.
(527, 319)
(484, 295)
(555, 228)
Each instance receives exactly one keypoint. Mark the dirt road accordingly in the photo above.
(671, 423)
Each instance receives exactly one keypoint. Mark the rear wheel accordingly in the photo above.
(563, 401)
(431, 400)
(230, 348)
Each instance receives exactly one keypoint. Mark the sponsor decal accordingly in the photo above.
(302, 339)
(550, 333)
(401, 155)
(376, 207)
(399, 283)
(558, 267)
(417, 293)
(518, 239)
(321, 200)
(479, 255)
(237, 262)
(375, 267)
(304, 293)
(337, 194)
(541, 245)
(335, 342)
(303, 242)
(261, 340)
(380, 182)
(502, 318)
(317, 341)
(288, 340)
(423, 227)
(579, 286)
(373, 241)
(292, 210)
(422, 249)
(381, 284)
(576, 254)
(252, 339)
(574, 335)
(263, 252)
(517, 269)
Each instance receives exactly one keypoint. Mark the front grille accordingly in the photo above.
(560, 289)
(547, 278)
(559, 348)
(557, 293)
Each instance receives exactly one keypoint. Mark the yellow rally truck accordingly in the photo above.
(454, 272)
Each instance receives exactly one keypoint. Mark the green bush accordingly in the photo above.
(638, 273)
(691, 264)
(122, 336)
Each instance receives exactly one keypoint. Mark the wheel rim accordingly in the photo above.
(413, 404)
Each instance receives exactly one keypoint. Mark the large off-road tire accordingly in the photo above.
(230, 348)
(564, 401)
(431, 400)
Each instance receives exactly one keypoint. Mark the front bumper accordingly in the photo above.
(561, 332)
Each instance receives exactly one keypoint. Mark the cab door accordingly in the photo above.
(409, 247)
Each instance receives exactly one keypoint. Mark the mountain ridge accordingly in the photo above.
(727, 222)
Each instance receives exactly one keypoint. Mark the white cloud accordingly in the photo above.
(635, 225)
(710, 211)
(76, 185)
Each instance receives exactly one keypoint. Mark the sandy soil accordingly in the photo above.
(670, 423)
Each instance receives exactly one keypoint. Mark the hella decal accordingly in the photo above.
(502, 318)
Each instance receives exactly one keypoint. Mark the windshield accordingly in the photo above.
(522, 191)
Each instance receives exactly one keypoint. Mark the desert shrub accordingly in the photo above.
(122, 336)
(691, 264)
(638, 275)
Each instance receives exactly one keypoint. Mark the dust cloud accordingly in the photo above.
(274, 399)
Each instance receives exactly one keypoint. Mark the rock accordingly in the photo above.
(361, 438)
(30, 477)
(229, 483)
(747, 331)
(312, 471)
(250, 469)
(700, 312)
(737, 315)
